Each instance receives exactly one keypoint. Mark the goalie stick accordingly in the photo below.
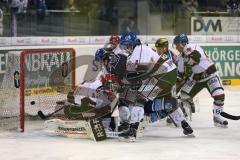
(43, 116)
(229, 116)
(113, 106)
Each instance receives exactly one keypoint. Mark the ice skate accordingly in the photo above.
(187, 130)
(168, 121)
(220, 122)
(123, 127)
(188, 108)
(130, 134)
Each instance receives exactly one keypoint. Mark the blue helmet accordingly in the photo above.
(129, 39)
(181, 38)
(99, 55)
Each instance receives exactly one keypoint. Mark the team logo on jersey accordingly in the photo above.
(168, 107)
(115, 60)
(212, 81)
(164, 56)
(127, 38)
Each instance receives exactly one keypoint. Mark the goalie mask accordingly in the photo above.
(114, 41)
(109, 60)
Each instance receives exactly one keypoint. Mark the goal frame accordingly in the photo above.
(22, 76)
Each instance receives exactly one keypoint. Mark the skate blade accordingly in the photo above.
(127, 139)
(172, 125)
(220, 125)
(140, 133)
(169, 124)
(191, 135)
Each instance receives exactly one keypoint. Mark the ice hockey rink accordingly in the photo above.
(160, 142)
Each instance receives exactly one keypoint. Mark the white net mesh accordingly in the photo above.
(10, 95)
(48, 76)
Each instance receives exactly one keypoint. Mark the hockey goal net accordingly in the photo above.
(34, 80)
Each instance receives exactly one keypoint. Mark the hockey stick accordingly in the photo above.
(229, 116)
(175, 124)
(42, 116)
(112, 106)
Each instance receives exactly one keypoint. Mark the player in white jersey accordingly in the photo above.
(131, 113)
(166, 75)
(199, 71)
(146, 66)
(162, 46)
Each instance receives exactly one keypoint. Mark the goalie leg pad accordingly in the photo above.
(98, 131)
(76, 129)
(72, 129)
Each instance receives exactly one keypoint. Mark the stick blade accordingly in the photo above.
(61, 102)
(41, 115)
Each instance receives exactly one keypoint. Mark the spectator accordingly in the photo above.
(114, 20)
(70, 5)
(212, 6)
(55, 5)
(233, 7)
(41, 9)
(19, 6)
(129, 25)
(16, 7)
(185, 9)
(102, 13)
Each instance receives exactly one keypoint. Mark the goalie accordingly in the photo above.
(97, 96)
(96, 100)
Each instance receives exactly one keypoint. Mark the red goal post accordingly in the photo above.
(34, 80)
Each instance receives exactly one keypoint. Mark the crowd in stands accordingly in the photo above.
(108, 16)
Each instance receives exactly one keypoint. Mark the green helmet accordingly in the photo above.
(161, 42)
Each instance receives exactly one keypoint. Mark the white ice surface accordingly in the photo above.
(159, 143)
